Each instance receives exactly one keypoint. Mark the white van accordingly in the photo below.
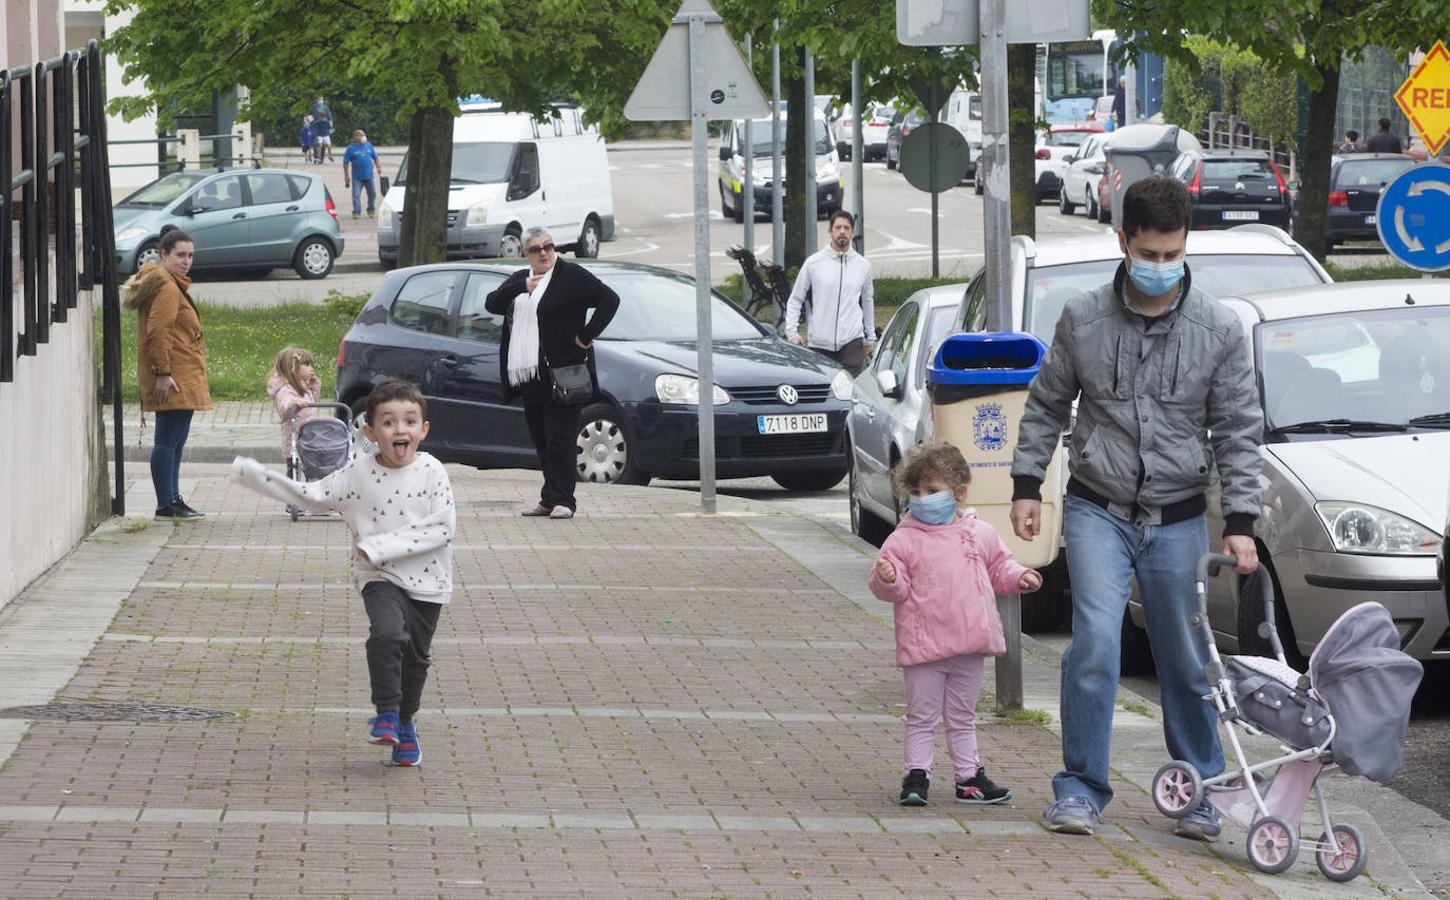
(964, 113)
(510, 173)
(829, 179)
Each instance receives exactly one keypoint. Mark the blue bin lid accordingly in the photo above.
(994, 357)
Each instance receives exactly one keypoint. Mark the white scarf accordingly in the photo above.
(524, 338)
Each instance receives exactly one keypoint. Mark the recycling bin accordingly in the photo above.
(977, 384)
(1139, 151)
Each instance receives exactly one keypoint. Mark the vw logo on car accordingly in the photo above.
(788, 395)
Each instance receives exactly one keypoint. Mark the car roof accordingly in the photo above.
(1257, 239)
(1225, 153)
(1350, 157)
(940, 295)
(508, 267)
(1348, 296)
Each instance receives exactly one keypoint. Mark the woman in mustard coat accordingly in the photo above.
(170, 362)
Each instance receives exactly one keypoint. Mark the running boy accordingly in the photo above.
(398, 505)
(942, 569)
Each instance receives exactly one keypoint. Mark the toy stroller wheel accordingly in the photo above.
(1177, 789)
(293, 511)
(1342, 855)
(1273, 845)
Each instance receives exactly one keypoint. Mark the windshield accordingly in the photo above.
(1068, 138)
(1077, 74)
(1237, 170)
(1370, 172)
(938, 326)
(485, 162)
(661, 307)
(162, 191)
(760, 137)
(1384, 365)
(1218, 275)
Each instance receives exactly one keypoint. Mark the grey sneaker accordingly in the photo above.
(1201, 825)
(1072, 815)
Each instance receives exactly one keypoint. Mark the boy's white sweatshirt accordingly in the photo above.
(402, 520)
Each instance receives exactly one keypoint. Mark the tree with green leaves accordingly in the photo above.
(1305, 38)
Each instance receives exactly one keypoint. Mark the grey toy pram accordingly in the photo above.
(1349, 713)
(320, 445)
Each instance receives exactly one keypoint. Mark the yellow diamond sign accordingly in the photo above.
(1425, 98)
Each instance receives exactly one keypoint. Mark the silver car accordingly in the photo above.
(1355, 385)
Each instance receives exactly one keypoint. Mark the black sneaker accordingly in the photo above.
(186, 508)
(980, 791)
(176, 511)
(914, 787)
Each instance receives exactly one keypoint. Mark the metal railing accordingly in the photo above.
(1232, 133)
(62, 98)
(188, 155)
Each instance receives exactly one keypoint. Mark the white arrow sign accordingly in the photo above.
(663, 91)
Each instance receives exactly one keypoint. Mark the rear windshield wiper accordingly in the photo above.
(1329, 426)
(1440, 418)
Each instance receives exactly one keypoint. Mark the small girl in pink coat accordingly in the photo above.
(292, 384)
(942, 571)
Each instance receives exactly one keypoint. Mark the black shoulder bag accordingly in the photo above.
(573, 385)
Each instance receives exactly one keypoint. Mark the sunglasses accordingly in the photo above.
(542, 248)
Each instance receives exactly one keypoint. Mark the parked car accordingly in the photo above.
(780, 409)
(901, 125)
(249, 219)
(1230, 187)
(829, 178)
(1355, 182)
(505, 168)
(1053, 149)
(874, 132)
(1356, 397)
(1081, 174)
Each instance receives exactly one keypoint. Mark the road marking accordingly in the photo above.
(715, 215)
(616, 254)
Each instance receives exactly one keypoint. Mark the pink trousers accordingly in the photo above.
(944, 689)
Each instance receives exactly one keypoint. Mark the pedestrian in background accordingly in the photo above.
(544, 309)
(398, 504)
(322, 128)
(942, 570)
(1120, 104)
(170, 362)
(842, 322)
(1384, 140)
(307, 139)
(1160, 376)
(1351, 142)
(359, 170)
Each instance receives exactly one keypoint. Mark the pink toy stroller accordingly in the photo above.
(1349, 713)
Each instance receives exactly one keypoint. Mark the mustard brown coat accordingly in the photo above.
(169, 340)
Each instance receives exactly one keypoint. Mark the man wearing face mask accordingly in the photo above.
(1161, 377)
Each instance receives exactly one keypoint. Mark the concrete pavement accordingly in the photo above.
(640, 701)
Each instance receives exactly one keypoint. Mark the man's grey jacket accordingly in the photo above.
(1162, 399)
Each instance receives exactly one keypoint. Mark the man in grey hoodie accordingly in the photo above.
(1164, 389)
(838, 279)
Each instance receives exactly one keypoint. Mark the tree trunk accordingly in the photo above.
(1311, 212)
(799, 168)
(1022, 136)
(430, 167)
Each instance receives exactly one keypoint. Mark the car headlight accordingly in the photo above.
(685, 391)
(385, 217)
(1356, 528)
(134, 233)
(841, 385)
(477, 214)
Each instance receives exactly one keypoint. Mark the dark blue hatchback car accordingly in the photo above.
(780, 410)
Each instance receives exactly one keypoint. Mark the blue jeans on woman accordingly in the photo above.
(1103, 553)
(172, 428)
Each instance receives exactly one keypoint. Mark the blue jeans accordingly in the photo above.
(1103, 553)
(172, 428)
(357, 186)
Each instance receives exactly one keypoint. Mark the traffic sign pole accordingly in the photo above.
(699, 138)
(747, 189)
(858, 164)
(777, 198)
(808, 134)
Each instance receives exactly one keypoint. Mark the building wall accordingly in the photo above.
(132, 165)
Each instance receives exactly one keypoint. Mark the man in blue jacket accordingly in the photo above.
(359, 170)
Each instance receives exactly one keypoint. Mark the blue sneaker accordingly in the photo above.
(385, 728)
(406, 752)
(1201, 825)
(1072, 815)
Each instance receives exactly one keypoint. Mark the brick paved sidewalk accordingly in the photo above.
(640, 701)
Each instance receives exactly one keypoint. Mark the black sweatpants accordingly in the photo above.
(554, 429)
(851, 356)
(400, 634)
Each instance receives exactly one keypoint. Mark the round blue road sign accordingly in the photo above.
(1413, 217)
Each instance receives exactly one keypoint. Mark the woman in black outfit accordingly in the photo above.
(544, 309)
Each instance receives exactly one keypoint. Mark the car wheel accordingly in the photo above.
(1090, 201)
(387, 263)
(977, 185)
(511, 245)
(603, 452)
(865, 525)
(150, 252)
(819, 480)
(588, 245)
(738, 212)
(313, 259)
(1064, 205)
(1105, 214)
(1135, 655)
(890, 160)
(725, 209)
(1251, 616)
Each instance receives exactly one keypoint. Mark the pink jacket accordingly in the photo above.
(285, 398)
(947, 579)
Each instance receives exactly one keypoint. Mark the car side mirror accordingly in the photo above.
(725, 153)
(1069, 159)
(191, 210)
(886, 381)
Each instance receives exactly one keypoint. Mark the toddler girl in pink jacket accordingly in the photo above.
(942, 570)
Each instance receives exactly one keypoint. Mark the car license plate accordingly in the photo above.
(802, 424)
(1241, 215)
(1369, 220)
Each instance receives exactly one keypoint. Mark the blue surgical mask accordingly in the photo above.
(933, 509)
(1155, 279)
